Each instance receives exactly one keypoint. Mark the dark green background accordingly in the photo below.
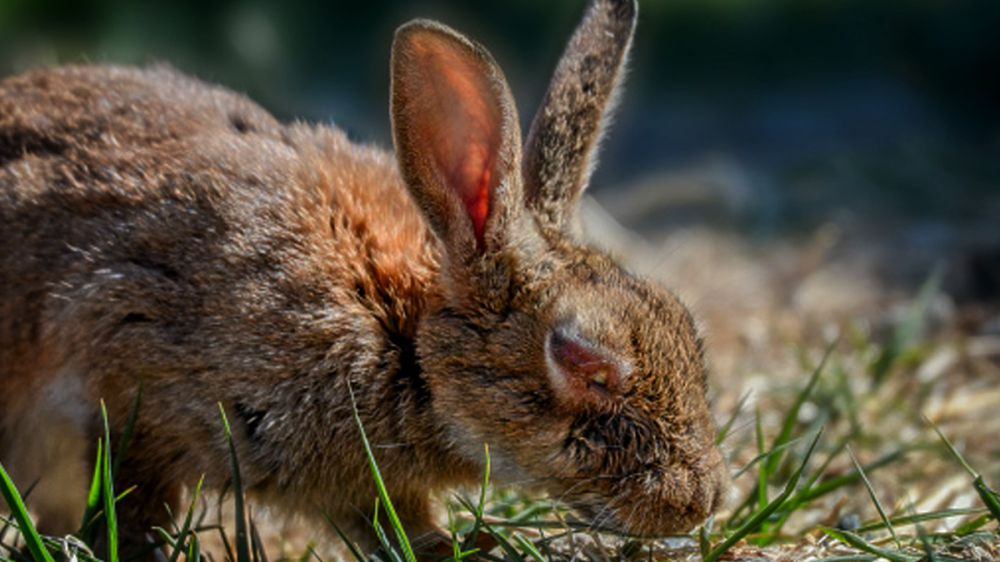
(876, 108)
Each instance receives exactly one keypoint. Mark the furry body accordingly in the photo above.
(321, 264)
(168, 235)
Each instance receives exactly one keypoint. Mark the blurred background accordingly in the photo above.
(784, 135)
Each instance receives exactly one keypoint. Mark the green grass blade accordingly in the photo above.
(534, 510)
(704, 536)
(723, 432)
(310, 553)
(383, 493)
(504, 544)
(456, 545)
(758, 494)
(227, 545)
(166, 537)
(951, 448)
(485, 483)
(764, 456)
(874, 497)
(973, 525)
(761, 515)
(351, 546)
(929, 554)
(762, 474)
(125, 494)
(792, 416)
(20, 514)
(86, 532)
(771, 459)
(242, 537)
(108, 491)
(185, 529)
(816, 474)
(526, 545)
(825, 487)
(909, 330)
(467, 553)
(823, 466)
(473, 535)
(126, 437)
(383, 540)
(194, 549)
(859, 543)
(7, 524)
(259, 554)
(905, 520)
(989, 497)
(552, 525)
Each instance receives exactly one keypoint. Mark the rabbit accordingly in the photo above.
(168, 237)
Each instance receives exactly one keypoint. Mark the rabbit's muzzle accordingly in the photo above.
(657, 501)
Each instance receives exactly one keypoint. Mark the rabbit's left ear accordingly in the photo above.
(457, 137)
(559, 153)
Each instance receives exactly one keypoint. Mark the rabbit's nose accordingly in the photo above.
(676, 499)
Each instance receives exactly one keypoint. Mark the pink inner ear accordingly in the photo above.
(461, 120)
(476, 174)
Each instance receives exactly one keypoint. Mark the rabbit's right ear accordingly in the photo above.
(559, 153)
(457, 137)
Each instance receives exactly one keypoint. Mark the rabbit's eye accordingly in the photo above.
(601, 377)
(579, 370)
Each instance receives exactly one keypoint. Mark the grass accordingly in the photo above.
(843, 466)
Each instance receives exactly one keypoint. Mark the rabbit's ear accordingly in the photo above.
(559, 153)
(457, 136)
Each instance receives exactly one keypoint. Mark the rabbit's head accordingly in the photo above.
(584, 379)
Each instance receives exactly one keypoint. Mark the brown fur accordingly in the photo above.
(163, 233)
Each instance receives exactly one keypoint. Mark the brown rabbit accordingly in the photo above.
(164, 233)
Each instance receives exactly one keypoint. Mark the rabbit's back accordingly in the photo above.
(53, 110)
(157, 227)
